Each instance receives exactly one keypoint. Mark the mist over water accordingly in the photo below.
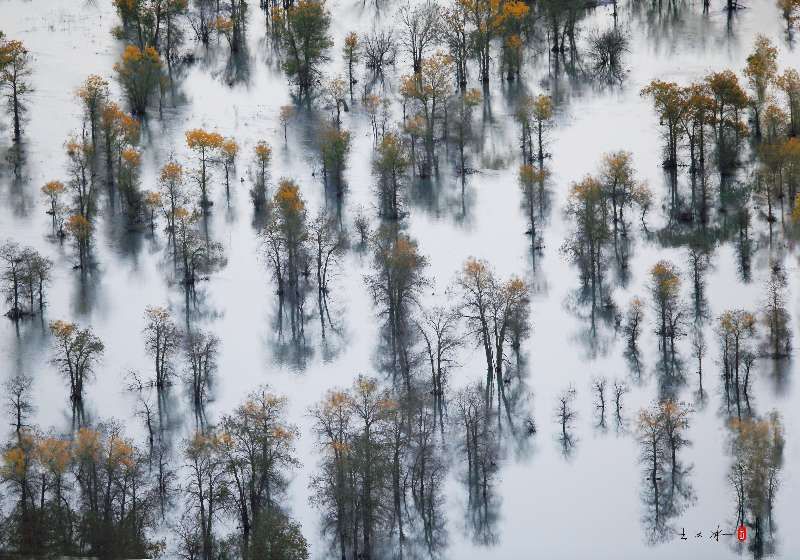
(586, 501)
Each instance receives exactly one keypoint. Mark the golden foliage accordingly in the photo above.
(55, 454)
(53, 188)
(200, 140)
(153, 199)
(263, 152)
(229, 149)
(288, 198)
(79, 226)
(87, 445)
(530, 175)
(666, 279)
(15, 463)
(172, 172)
(62, 329)
(131, 157)
(93, 90)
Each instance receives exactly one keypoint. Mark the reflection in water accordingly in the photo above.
(667, 489)
(379, 482)
(393, 471)
(565, 415)
(479, 440)
(757, 452)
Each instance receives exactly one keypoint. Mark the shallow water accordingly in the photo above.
(583, 506)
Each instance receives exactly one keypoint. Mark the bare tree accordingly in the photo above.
(599, 388)
(379, 50)
(162, 338)
(439, 329)
(201, 357)
(565, 415)
(422, 30)
(18, 401)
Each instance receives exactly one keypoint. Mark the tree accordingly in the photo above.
(228, 152)
(422, 27)
(258, 455)
(775, 315)
(496, 314)
(565, 415)
(730, 99)
(80, 153)
(77, 352)
(201, 19)
(153, 202)
(205, 145)
(162, 339)
(736, 329)
(599, 385)
(335, 95)
(486, 18)
(206, 489)
(18, 402)
(757, 446)
(279, 537)
(590, 235)
(652, 455)
(291, 229)
(669, 104)
(790, 10)
(262, 158)
(128, 181)
(370, 405)
(619, 187)
(699, 114)
(306, 39)
(389, 166)
(36, 276)
(201, 354)
(196, 253)
(119, 131)
(12, 276)
(674, 419)
(139, 74)
(789, 84)
(15, 71)
(286, 114)
(53, 191)
(396, 284)
(531, 182)
(170, 181)
(379, 51)
(439, 329)
(351, 52)
(633, 321)
(535, 114)
(333, 489)
(665, 285)
(80, 229)
(464, 104)
(607, 49)
(454, 34)
(430, 88)
(335, 146)
(328, 243)
(232, 24)
(760, 71)
(93, 94)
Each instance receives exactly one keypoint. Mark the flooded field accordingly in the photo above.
(563, 476)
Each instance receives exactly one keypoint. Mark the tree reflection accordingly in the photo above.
(479, 440)
(667, 490)
(757, 452)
